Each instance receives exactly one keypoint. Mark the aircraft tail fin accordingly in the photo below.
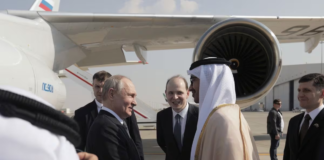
(46, 5)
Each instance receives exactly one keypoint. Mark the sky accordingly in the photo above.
(150, 79)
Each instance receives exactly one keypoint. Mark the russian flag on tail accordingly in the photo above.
(47, 5)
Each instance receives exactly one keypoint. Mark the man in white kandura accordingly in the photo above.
(222, 131)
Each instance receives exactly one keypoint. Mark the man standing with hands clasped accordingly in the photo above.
(275, 126)
(305, 136)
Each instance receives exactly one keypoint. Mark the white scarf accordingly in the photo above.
(216, 87)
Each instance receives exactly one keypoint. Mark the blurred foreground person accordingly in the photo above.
(32, 129)
(222, 131)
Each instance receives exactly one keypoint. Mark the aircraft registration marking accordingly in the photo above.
(299, 28)
(48, 87)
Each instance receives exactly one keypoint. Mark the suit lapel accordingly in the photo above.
(121, 127)
(116, 121)
(312, 129)
(90, 117)
(94, 111)
(296, 131)
(169, 121)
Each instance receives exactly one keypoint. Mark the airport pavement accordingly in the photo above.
(257, 122)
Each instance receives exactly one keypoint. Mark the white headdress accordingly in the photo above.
(216, 87)
(22, 138)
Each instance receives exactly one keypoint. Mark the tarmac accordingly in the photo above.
(257, 122)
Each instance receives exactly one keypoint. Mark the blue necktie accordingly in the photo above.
(177, 131)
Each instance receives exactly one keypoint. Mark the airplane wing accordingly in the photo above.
(105, 37)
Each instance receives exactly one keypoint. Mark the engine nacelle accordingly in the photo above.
(22, 70)
(253, 50)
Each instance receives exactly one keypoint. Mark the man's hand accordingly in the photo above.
(277, 137)
(87, 156)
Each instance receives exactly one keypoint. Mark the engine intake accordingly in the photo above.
(253, 50)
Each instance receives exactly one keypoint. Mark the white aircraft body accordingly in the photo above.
(40, 44)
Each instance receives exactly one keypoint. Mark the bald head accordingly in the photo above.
(176, 82)
(177, 77)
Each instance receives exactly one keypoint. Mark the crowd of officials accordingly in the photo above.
(106, 128)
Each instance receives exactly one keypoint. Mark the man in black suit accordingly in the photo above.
(275, 127)
(305, 136)
(176, 125)
(108, 137)
(85, 116)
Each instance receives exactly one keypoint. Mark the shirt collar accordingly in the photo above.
(113, 113)
(98, 104)
(315, 112)
(183, 113)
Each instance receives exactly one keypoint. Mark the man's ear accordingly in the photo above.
(111, 94)
(165, 96)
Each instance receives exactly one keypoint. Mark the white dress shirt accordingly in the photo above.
(99, 105)
(113, 113)
(312, 114)
(183, 119)
(282, 122)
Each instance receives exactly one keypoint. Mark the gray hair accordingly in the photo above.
(114, 82)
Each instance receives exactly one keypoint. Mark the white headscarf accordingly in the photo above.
(19, 139)
(216, 87)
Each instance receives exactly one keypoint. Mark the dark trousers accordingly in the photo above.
(274, 146)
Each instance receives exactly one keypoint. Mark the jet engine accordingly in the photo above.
(253, 51)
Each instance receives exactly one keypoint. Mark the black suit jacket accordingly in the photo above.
(85, 116)
(165, 136)
(109, 140)
(312, 147)
(274, 122)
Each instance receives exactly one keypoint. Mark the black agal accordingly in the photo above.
(209, 60)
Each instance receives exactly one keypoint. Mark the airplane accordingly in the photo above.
(40, 45)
